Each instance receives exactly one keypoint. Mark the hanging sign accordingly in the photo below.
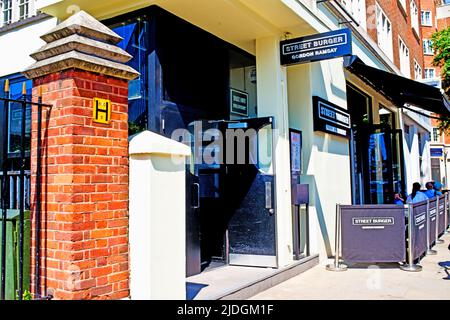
(330, 118)
(101, 112)
(436, 152)
(239, 102)
(316, 47)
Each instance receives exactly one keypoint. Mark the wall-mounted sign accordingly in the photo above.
(295, 138)
(330, 118)
(239, 102)
(436, 152)
(101, 111)
(316, 47)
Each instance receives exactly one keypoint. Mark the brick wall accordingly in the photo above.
(401, 26)
(85, 187)
(427, 32)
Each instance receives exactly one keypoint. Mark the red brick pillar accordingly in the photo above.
(84, 245)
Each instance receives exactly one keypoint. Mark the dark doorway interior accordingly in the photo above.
(376, 152)
(186, 77)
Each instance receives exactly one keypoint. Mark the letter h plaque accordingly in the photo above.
(101, 111)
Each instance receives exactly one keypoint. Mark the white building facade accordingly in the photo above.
(385, 153)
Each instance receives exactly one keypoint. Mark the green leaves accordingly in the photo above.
(441, 47)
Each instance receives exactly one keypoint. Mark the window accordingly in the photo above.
(384, 33)
(403, 3)
(429, 73)
(414, 16)
(435, 135)
(7, 11)
(417, 70)
(428, 47)
(426, 18)
(405, 67)
(356, 8)
(406, 131)
(15, 10)
(23, 9)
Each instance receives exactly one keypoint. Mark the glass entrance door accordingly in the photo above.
(385, 165)
(251, 197)
(233, 193)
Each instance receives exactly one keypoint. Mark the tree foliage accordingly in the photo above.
(441, 46)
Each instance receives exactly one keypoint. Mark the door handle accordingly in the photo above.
(269, 203)
(196, 195)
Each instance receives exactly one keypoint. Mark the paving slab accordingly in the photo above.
(370, 282)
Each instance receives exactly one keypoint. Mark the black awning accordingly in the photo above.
(398, 89)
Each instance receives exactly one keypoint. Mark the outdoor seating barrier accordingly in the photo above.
(412, 245)
(420, 225)
(433, 221)
(440, 217)
(429, 251)
(447, 212)
(376, 233)
(369, 234)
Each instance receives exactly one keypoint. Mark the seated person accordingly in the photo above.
(416, 195)
(430, 193)
(438, 188)
(398, 199)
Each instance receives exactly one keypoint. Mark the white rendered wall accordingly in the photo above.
(326, 161)
(272, 101)
(19, 43)
(157, 229)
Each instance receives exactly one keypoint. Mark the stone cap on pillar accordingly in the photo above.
(148, 142)
(81, 42)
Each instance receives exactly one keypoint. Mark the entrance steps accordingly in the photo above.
(239, 283)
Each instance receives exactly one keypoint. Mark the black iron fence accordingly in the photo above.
(14, 181)
(15, 197)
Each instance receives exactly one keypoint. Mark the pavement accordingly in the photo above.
(370, 282)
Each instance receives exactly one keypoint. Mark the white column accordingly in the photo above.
(272, 101)
(157, 218)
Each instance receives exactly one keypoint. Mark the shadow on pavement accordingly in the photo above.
(446, 266)
(373, 265)
(192, 289)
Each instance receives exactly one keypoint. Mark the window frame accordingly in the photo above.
(15, 15)
(417, 67)
(401, 44)
(414, 12)
(427, 73)
(5, 22)
(422, 20)
(436, 134)
(26, 5)
(385, 24)
(430, 46)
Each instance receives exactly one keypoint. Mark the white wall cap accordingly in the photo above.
(148, 142)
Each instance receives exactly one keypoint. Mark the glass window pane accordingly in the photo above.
(265, 136)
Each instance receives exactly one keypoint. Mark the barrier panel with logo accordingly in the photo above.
(373, 233)
(441, 220)
(419, 229)
(432, 214)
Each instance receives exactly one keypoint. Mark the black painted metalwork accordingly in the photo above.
(5, 193)
(20, 197)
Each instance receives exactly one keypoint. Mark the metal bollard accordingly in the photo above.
(429, 250)
(437, 240)
(337, 266)
(410, 266)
